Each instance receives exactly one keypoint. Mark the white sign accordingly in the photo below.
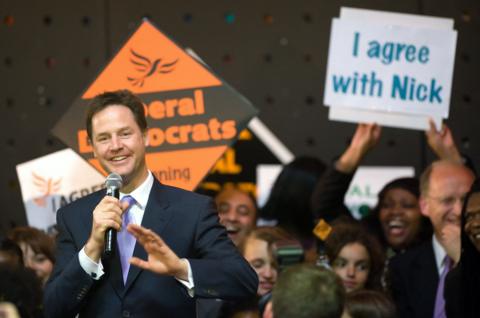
(367, 183)
(266, 176)
(390, 119)
(392, 65)
(52, 181)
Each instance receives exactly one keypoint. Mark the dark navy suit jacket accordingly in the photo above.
(187, 222)
(414, 280)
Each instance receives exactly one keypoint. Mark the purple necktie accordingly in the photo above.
(125, 240)
(439, 300)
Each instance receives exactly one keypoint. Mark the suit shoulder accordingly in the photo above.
(412, 255)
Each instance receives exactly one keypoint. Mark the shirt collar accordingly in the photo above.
(439, 252)
(141, 193)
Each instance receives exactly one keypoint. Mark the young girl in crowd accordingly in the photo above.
(259, 250)
(355, 256)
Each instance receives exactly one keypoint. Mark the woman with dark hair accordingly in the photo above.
(289, 200)
(463, 281)
(38, 250)
(356, 256)
(397, 220)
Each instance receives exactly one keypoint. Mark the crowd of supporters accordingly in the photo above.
(415, 254)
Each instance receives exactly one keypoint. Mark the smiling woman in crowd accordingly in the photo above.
(397, 220)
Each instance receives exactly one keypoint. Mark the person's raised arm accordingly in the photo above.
(442, 144)
(328, 195)
(365, 138)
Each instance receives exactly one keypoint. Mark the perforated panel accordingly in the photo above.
(273, 52)
(50, 51)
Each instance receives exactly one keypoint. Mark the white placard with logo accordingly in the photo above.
(52, 181)
(367, 183)
(395, 66)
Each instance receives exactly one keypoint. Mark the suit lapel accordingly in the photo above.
(156, 216)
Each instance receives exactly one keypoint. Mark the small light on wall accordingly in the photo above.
(229, 17)
(268, 18)
(50, 62)
(227, 58)
(9, 20)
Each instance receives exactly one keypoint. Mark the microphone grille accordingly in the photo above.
(114, 180)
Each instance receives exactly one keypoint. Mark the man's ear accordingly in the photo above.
(93, 148)
(424, 206)
(145, 138)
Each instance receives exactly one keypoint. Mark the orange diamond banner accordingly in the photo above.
(192, 115)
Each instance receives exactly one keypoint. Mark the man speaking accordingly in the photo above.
(179, 252)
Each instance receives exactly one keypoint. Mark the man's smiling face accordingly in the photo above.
(119, 144)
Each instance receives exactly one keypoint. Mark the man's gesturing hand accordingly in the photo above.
(161, 259)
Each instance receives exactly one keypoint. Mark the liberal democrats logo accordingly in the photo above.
(147, 68)
(46, 186)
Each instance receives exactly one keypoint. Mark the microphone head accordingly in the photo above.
(114, 180)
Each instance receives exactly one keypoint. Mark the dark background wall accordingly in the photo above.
(273, 52)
